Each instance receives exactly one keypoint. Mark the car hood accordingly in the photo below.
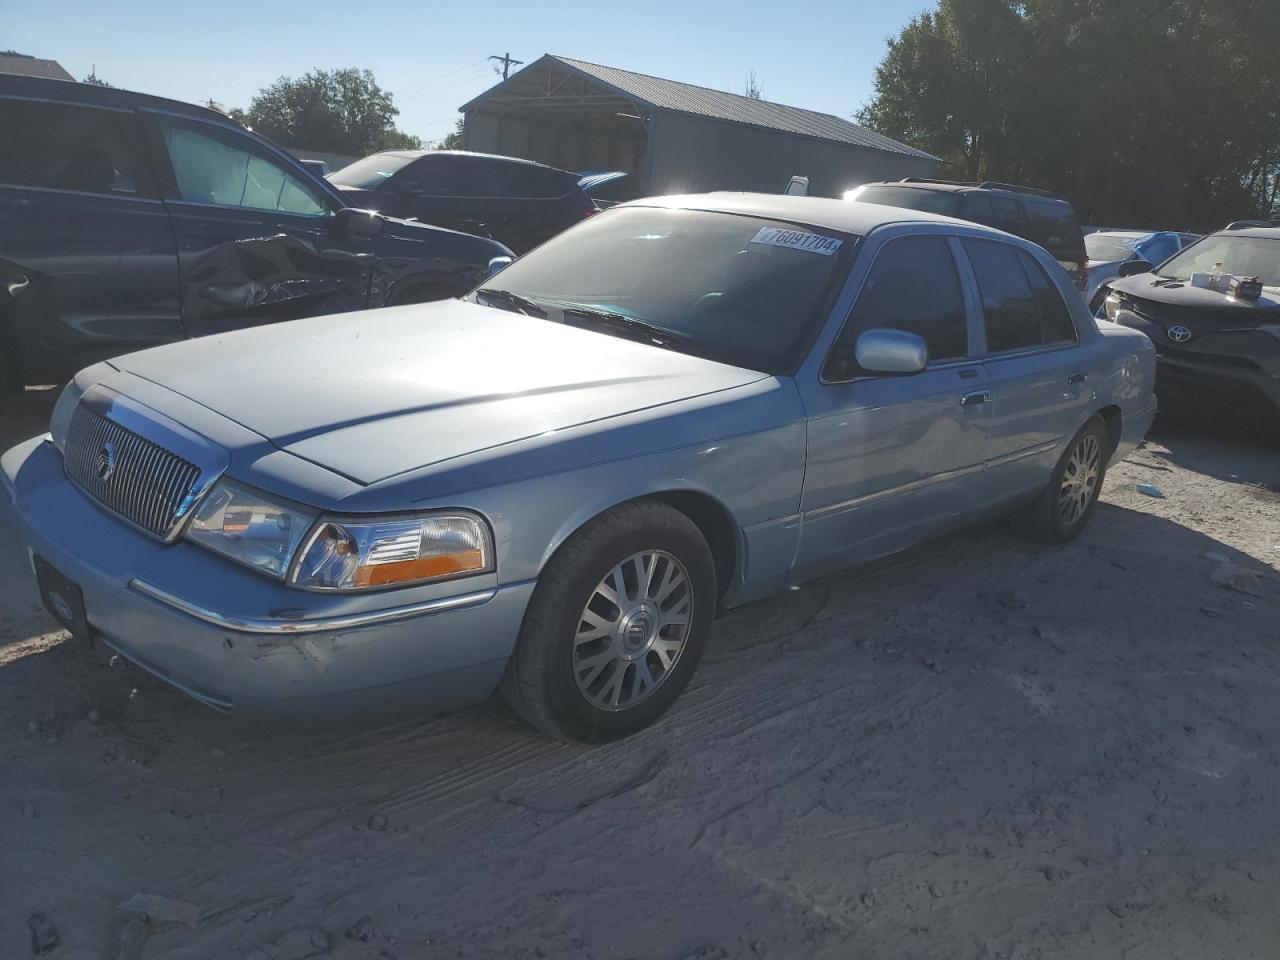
(373, 394)
(1183, 294)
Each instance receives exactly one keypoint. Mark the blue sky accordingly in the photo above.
(819, 54)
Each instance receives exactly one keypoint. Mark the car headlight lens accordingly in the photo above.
(60, 422)
(248, 526)
(1112, 305)
(366, 554)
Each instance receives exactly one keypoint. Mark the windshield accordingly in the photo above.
(911, 198)
(1243, 256)
(371, 172)
(1109, 246)
(736, 289)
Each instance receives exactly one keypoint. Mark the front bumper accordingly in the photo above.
(248, 645)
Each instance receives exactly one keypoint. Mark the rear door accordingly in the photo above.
(86, 252)
(894, 459)
(254, 235)
(1039, 383)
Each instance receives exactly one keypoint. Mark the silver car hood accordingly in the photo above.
(380, 392)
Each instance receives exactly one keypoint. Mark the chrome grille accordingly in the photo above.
(128, 474)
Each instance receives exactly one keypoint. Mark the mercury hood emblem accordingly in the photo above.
(106, 460)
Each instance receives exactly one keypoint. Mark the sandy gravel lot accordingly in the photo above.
(984, 749)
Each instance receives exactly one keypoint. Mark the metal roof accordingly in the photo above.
(24, 66)
(719, 105)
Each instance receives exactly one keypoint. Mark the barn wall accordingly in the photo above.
(691, 154)
(569, 145)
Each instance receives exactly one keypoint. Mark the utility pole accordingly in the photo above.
(507, 63)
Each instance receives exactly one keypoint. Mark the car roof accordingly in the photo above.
(1269, 233)
(935, 186)
(1124, 234)
(71, 91)
(842, 216)
(471, 153)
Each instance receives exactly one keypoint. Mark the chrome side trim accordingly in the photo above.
(819, 512)
(320, 625)
(1024, 454)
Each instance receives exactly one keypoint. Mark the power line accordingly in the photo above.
(507, 63)
(448, 84)
(467, 68)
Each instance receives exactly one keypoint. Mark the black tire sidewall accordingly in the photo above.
(574, 583)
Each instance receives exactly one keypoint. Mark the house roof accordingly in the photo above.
(717, 104)
(25, 66)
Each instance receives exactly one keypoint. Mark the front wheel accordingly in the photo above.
(616, 625)
(1063, 508)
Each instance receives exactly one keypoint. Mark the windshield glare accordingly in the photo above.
(1243, 256)
(1101, 246)
(371, 172)
(737, 289)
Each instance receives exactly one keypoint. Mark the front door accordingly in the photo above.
(255, 239)
(1039, 382)
(87, 258)
(894, 459)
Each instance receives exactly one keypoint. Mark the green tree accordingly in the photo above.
(453, 139)
(1161, 113)
(336, 111)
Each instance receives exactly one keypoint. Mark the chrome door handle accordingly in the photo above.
(976, 397)
(1078, 377)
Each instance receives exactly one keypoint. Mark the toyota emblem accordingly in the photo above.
(106, 460)
(1178, 333)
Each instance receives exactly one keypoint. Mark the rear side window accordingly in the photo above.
(910, 198)
(1021, 307)
(912, 286)
(65, 147)
(1054, 224)
(1009, 215)
(977, 208)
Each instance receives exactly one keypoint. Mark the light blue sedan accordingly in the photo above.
(553, 485)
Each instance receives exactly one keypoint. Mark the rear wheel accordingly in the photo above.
(616, 625)
(1063, 508)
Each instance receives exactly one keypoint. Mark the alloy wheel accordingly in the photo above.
(632, 630)
(1079, 480)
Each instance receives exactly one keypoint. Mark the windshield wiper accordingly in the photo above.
(639, 329)
(513, 301)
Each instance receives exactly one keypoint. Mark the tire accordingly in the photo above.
(587, 642)
(1063, 508)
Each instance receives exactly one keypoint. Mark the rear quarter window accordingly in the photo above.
(1054, 225)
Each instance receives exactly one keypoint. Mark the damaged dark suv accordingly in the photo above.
(128, 221)
(1210, 344)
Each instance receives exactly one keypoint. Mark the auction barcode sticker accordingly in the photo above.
(797, 240)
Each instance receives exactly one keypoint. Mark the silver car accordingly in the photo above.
(553, 485)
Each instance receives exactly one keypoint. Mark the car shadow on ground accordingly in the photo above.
(1231, 444)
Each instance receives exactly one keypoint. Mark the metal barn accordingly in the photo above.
(675, 137)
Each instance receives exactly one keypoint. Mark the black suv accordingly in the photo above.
(1209, 344)
(518, 202)
(128, 221)
(1027, 212)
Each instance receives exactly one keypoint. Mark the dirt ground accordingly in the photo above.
(984, 749)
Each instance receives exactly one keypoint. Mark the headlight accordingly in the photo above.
(60, 422)
(365, 554)
(250, 527)
(1112, 305)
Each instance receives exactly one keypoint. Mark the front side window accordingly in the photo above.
(64, 147)
(450, 176)
(912, 286)
(372, 172)
(737, 289)
(211, 170)
(1021, 307)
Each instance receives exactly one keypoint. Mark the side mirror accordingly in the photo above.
(891, 351)
(1131, 268)
(359, 223)
(498, 264)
